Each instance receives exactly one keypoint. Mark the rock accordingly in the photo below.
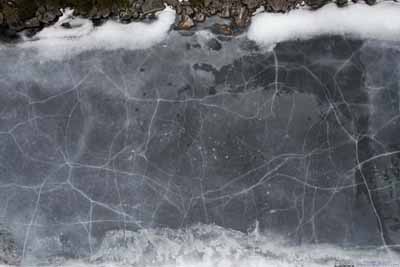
(138, 5)
(179, 9)
(370, 2)
(32, 23)
(172, 3)
(199, 17)
(124, 16)
(207, 3)
(341, 3)
(11, 18)
(188, 10)
(66, 25)
(252, 4)
(49, 17)
(151, 6)
(212, 11)
(222, 29)
(281, 5)
(186, 23)
(40, 11)
(242, 19)
(93, 13)
(315, 4)
(235, 10)
(105, 12)
(8, 247)
(225, 13)
(135, 15)
(11, 3)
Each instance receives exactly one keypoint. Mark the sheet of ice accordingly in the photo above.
(58, 42)
(381, 21)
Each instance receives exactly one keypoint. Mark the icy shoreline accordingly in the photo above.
(215, 246)
(266, 29)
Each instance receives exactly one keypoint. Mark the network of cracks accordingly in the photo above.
(302, 138)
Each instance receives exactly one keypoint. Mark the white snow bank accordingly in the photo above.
(58, 42)
(381, 21)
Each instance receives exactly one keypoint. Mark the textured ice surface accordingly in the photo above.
(213, 246)
(202, 129)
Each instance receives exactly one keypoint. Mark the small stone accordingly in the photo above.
(41, 10)
(277, 6)
(135, 15)
(186, 23)
(223, 29)
(315, 4)
(105, 12)
(173, 3)
(48, 17)
(32, 23)
(11, 3)
(179, 9)
(199, 17)
(212, 11)
(151, 6)
(207, 3)
(124, 16)
(225, 12)
(242, 19)
(235, 10)
(151, 16)
(188, 10)
(252, 4)
(370, 2)
(341, 3)
(93, 13)
(66, 25)
(138, 5)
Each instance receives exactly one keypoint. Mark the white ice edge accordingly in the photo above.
(215, 246)
(57, 42)
(381, 21)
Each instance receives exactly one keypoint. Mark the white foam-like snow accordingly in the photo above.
(381, 21)
(57, 42)
(214, 246)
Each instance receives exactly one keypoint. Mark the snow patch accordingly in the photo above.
(58, 42)
(381, 21)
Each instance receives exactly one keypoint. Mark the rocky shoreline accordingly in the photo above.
(19, 15)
